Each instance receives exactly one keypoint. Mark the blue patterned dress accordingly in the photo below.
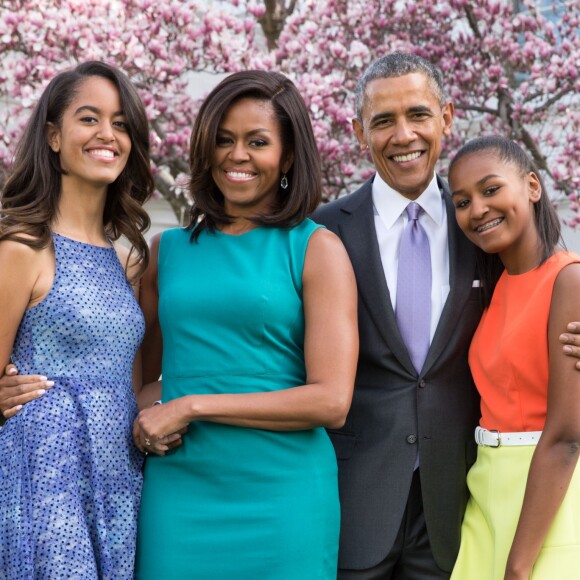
(70, 477)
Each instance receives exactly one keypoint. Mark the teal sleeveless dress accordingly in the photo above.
(233, 502)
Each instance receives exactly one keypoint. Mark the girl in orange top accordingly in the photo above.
(523, 518)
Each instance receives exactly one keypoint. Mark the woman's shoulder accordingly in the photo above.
(23, 248)
(23, 263)
(308, 226)
(567, 270)
(565, 257)
(172, 236)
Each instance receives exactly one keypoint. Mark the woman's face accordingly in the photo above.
(248, 158)
(92, 141)
(494, 203)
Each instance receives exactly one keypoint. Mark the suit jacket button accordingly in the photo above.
(411, 439)
(422, 384)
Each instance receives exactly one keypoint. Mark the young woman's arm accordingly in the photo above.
(331, 353)
(26, 279)
(557, 452)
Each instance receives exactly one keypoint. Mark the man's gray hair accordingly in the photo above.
(398, 64)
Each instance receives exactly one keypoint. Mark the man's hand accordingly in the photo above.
(17, 390)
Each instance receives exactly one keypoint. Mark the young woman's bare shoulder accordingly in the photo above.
(25, 269)
(19, 253)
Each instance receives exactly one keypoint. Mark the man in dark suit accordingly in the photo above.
(408, 442)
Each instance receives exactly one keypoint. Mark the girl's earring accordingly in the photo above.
(284, 182)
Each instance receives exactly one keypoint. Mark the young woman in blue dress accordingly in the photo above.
(70, 475)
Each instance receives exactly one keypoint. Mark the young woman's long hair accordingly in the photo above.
(303, 193)
(29, 200)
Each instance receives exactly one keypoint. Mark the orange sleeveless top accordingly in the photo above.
(509, 351)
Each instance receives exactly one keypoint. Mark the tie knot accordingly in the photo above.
(413, 210)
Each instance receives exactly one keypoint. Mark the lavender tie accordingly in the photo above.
(413, 310)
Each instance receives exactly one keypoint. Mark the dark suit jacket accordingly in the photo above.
(395, 409)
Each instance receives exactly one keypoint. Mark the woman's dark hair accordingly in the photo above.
(32, 191)
(548, 225)
(303, 194)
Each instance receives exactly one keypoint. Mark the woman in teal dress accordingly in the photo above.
(251, 317)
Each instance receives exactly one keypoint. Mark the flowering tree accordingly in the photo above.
(508, 71)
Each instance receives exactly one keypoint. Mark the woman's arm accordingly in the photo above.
(557, 452)
(148, 360)
(152, 346)
(24, 282)
(331, 353)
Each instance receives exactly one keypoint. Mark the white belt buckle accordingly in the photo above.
(482, 437)
(498, 441)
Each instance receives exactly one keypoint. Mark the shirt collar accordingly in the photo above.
(390, 204)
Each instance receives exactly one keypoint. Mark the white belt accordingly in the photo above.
(497, 439)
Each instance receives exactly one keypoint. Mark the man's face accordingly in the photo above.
(403, 124)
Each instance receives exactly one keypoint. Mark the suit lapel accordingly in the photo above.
(461, 275)
(357, 231)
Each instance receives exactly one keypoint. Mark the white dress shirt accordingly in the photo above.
(390, 221)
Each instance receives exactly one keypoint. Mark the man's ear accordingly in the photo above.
(359, 131)
(448, 111)
(53, 137)
(534, 187)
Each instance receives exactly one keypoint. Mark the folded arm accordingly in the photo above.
(331, 353)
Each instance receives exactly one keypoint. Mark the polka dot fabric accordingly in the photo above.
(70, 476)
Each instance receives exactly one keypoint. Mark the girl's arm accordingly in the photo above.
(331, 353)
(26, 279)
(557, 452)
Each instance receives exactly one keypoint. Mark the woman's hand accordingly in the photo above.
(17, 390)
(158, 429)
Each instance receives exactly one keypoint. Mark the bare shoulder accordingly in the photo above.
(565, 306)
(323, 240)
(154, 242)
(568, 279)
(19, 254)
(326, 255)
(25, 270)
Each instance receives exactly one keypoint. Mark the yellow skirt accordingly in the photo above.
(497, 482)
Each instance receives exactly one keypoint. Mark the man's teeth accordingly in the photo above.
(408, 157)
(489, 225)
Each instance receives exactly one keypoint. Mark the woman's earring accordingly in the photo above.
(284, 182)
